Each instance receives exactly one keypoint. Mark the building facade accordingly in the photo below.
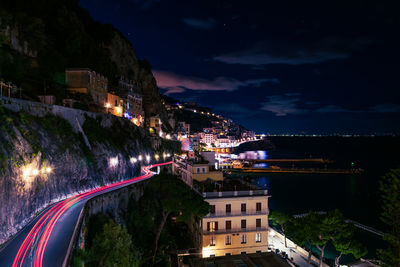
(237, 223)
(208, 138)
(86, 81)
(131, 92)
(114, 105)
(155, 123)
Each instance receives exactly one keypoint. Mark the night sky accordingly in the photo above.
(308, 67)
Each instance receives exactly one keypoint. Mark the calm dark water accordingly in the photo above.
(356, 196)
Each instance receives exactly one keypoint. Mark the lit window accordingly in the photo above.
(212, 226)
(213, 241)
(258, 237)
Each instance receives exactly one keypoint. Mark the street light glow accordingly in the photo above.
(148, 158)
(113, 161)
(140, 157)
(133, 160)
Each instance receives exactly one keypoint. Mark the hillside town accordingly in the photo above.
(110, 157)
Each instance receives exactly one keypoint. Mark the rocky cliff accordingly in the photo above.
(39, 39)
(42, 159)
(123, 55)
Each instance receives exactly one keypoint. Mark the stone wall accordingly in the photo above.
(40, 110)
(26, 144)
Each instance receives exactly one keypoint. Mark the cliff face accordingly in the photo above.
(43, 159)
(123, 55)
(60, 34)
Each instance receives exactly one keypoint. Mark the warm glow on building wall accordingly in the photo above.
(237, 223)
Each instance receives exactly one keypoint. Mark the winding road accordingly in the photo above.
(45, 240)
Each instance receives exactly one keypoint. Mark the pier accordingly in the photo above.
(296, 170)
(356, 224)
(306, 160)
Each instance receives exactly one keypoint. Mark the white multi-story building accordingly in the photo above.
(237, 223)
(208, 138)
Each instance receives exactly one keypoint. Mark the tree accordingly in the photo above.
(345, 243)
(282, 219)
(113, 247)
(390, 193)
(304, 231)
(329, 226)
(175, 197)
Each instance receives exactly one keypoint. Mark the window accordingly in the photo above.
(228, 225)
(243, 224)
(243, 252)
(228, 240)
(116, 103)
(212, 226)
(213, 241)
(228, 254)
(243, 207)
(243, 239)
(198, 170)
(258, 222)
(212, 209)
(228, 208)
(204, 170)
(258, 251)
(258, 237)
(258, 206)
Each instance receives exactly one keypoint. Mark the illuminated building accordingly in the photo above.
(86, 81)
(114, 105)
(237, 223)
(155, 122)
(131, 92)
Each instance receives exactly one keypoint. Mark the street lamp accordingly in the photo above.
(108, 105)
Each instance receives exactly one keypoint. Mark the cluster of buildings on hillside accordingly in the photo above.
(124, 101)
(89, 90)
(222, 133)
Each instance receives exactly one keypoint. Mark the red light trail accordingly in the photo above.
(43, 228)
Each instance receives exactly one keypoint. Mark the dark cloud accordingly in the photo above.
(200, 24)
(294, 52)
(145, 4)
(282, 105)
(236, 110)
(386, 108)
(175, 83)
(333, 109)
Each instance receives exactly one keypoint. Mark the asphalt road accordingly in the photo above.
(45, 240)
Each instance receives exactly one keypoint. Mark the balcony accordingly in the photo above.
(236, 230)
(227, 194)
(236, 214)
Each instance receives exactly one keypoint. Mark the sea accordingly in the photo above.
(357, 196)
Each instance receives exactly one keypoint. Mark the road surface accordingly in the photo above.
(45, 240)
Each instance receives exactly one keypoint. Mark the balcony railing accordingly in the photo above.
(235, 193)
(236, 230)
(237, 214)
